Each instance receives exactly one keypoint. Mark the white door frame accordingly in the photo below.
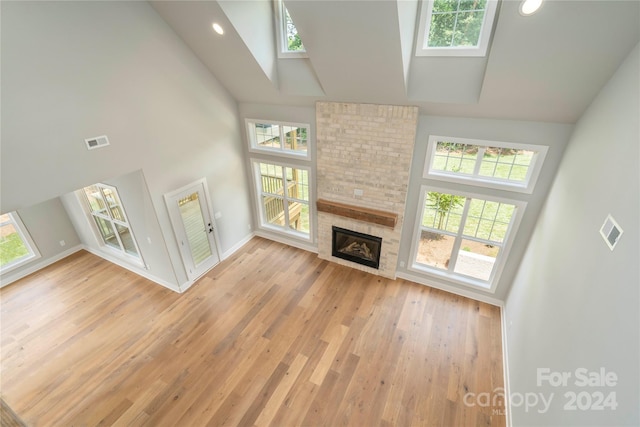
(193, 273)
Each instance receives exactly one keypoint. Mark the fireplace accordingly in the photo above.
(356, 247)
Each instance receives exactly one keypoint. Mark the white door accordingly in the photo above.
(194, 228)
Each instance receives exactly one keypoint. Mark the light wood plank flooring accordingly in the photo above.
(271, 336)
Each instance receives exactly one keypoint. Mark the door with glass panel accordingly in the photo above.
(194, 228)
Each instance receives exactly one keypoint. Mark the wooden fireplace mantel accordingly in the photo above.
(374, 216)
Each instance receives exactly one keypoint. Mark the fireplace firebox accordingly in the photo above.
(356, 247)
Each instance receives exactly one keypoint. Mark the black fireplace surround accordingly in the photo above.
(356, 247)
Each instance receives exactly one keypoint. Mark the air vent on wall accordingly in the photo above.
(97, 142)
(610, 232)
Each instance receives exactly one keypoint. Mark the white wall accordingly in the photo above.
(574, 303)
(550, 134)
(72, 70)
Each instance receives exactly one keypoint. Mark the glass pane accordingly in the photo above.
(113, 201)
(271, 178)
(297, 184)
(443, 211)
(295, 138)
(441, 29)
(435, 249)
(466, 5)
(468, 26)
(106, 231)
(127, 240)
(476, 259)
(94, 196)
(299, 217)
(267, 135)
(294, 43)
(12, 247)
(454, 157)
(506, 163)
(488, 220)
(274, 210)
(197, 233)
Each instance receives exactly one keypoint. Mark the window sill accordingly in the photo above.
(450, 277)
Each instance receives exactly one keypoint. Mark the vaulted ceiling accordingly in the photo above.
(544, 67)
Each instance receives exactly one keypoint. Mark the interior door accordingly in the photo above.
(194, 228)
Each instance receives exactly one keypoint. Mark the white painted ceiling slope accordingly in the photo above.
(545, 67)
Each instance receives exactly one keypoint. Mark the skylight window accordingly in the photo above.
(455, 27)
(290, 44)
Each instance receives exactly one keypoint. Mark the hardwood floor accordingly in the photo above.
(271, 336)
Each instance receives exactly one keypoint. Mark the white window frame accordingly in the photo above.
(281, 34)
(285, 229)
(540, 152)
(505, 247)
(121, 253)
(283, 152)
(34, 254)
(425, 25)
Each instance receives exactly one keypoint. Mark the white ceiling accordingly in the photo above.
(546, 67)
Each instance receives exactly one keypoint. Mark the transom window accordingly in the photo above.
(283, 198)
(287, 139)
(506, 166)
(455, 27)
(288, 38)
(16, 245)
(464, 236)
(111, 222)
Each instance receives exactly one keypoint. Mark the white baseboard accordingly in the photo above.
(291, 242)
(138, 271)
(454, 290)
(235, 248)
(7, 279)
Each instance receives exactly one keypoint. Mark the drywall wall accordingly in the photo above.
(553, 135)
(574, 303)
(51, 231)
(142, 218)
(73, 70)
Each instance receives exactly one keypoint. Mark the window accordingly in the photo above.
(464, 236)
(288, 38)
(111, 222)
(455, 27)
(501, 165)
(283, 198)
(286, 139)
(16, 246)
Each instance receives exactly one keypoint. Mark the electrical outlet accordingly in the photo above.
(217, 215)
(149, 240)
(402, 264)
(62, 243)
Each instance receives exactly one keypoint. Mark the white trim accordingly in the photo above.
(300, 245)
(117, 261)
(235, 248)
(489, 285)
(7, 279)
(250, 125)
(483, 42)
(25, 236)
(448, 288)
(505, 366)
(533, 172)
(281, 40)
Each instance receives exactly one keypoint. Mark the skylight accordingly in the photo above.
(288, 38)
(455, 27)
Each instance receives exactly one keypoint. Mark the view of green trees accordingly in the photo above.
(294, 43)
(456, 23)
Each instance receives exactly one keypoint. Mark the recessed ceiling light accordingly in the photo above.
(217, 28)
(529, 7)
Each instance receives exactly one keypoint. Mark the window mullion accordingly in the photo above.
(458, 241)
(479, 157)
